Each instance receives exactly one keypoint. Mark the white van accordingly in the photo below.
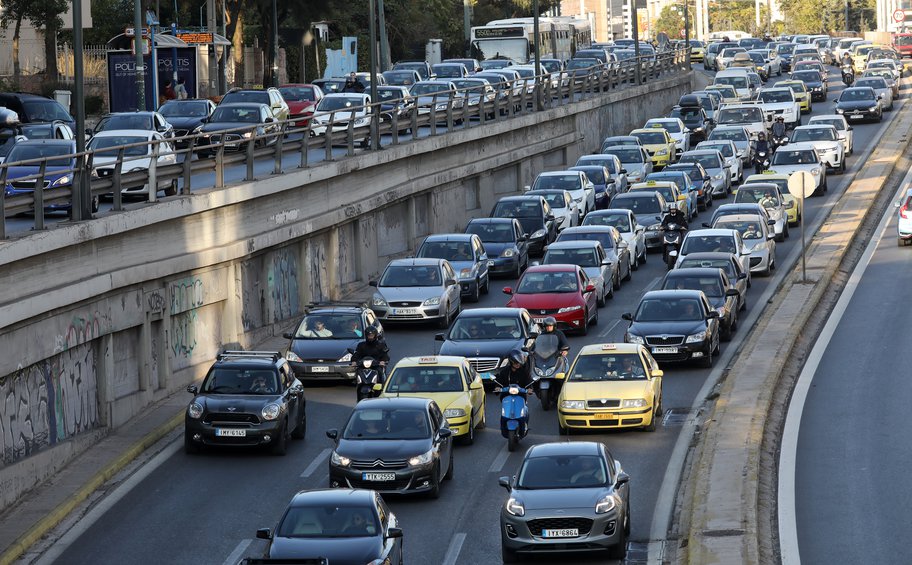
(739, 80)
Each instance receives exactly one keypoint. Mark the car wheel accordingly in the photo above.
(785, 230)
(171, 189)
(643, 257)
(191, 447)
(635, 266)
(842, 166)
(444, 321)
(595, 318)
(449, 473)
(727, 332)
(469, 438)
(301, 430)
(487, 285)
(519, 269)
(280, 443)
(95, 202)
(766, 272)
(476, 294)
(616, 282)
(584, 330)
(707, 361)
(652, 421)
(629, 271)
(602, 300)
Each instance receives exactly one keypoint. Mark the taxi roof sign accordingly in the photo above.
(609, 346)
(426, 360)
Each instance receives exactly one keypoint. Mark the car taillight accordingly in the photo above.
(903, 211)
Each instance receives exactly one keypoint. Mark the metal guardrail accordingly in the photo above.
(246, 145)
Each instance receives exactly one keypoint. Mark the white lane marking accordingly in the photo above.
(610, 329)
(652, 285)
(498, 463)
(788, 454)
(648, 287)
(82, 525)
(235, 555)
(318, 460)
(453, 550)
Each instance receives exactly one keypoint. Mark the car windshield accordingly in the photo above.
(794, 157)
(552, 66)
(45, 111)
(424, 88)
(562, 471)
(669, 126)
(740, 115)
(595, 174)
(127, 121)
(409, 275)
(729, 134)
(619, 221)
(726, 90)
(669, 310)
(813, 134)
(857, 95)
(103, 145)
(785, 48)
(711, 286)
(873, 82)
(560, 182)
(573, 64)
(757, 58)
(330, 85)
(185, 109)
(21, 152)
(724, 148)
(766, 197)
(689, 111)
(328, 521)
(604, 238)
(449, 250)
(386, 94)
(298, 93)
(645, 204)
(488, 327)
(37, 131)
(748, 229)
(627, 155)
(650, 137)
(493, 233)
(708, 160)
(447, 71)
(807, 76)
(330, 326)
(584, 257)
(386, 423)
(425, 379)
(236, 114)
(555, 200)
(252, 96)
(776, 96)
(709, 243)
(333, 103)
(835, 122)
(230, 380)
(667, 192)
(518, 209)
(600, 368)
(399, 78)
(735, 81)
(544, 282)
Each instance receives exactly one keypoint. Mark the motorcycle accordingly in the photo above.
(848, 75)
(368, 378)
(674, 234)
(548, 369)
(514, 413)
(761, 161)
(778, 141)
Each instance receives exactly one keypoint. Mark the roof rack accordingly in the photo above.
(274, 355)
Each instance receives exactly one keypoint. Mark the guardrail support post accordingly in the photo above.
(220, 165)
(249, 158)
(3, 172)
(116, 188)
(305, 144)
(39, 197)
(280, 140)
(153, 173)
(350, 135)
(188, 169)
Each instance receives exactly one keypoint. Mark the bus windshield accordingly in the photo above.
(514, 48)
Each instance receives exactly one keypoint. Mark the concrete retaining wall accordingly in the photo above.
(101, 319)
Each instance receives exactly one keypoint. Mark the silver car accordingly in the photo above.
(882, 89)
(714, 163)
(770, 198)
(757, 240)
(625, 223)
(740, 137)
(589, 255)
(417, 290)
(730, 153)
(635, 160)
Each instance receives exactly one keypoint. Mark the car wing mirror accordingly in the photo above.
(771, 222)
(193, 389)
(712, 314)
(449, 282)
(742, 276)
(264, 533)
(444, 433)
(372, 283)
(393, 533)
(288, 335)
(504, 482)
(439, 337)
(332, 434)
(627, 316)
(732, 292)
(622, 479)
(508, 290)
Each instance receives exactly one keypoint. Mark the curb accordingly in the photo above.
(57, 515)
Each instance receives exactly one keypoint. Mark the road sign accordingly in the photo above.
(899, 16)
(130, 32)
(801, 184)
(194, 38)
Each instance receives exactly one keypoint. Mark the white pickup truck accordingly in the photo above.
(781, 102)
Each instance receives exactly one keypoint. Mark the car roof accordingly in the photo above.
(652, 184)
(585, 229)
(520, 198)
(463, 237)
(564, 448)
(815, 126)
(707, 256)
(416, 262)
(711, 232)
(393, 403)
(328, 497)
(600, 348)
(555, 268)
(739, 218)
(704, 151)
(675, 293)
(122, 132)
(492, 221)
(555, 173)
(494, 312)
(801, 145)
(575, 244)
(692, 272)
(606, 212)
(826, 117)
(765, 175)
(758, 185)
(631, 146)
(545, 191)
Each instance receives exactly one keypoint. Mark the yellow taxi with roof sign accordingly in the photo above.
(792, 204)
(658, 143)
(449, 381)
(609, 386)
(668, 189)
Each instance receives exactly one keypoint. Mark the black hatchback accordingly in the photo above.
(721, 292)
(534, 213)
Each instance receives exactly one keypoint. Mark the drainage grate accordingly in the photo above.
(637, 553)
(675, 416)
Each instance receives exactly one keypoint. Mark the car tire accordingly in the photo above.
(192, 448)
(171, 189)
(727, 333)
(487, 285)
(476, 294)
(629, 274)
(602, 300)
(595, 318)
(842, 166)
(707, 361)
(618, 551)
(652, 421)
(635, 266)
(280, 443)
(301, 430)
(616, 283)
(584, 330)
(643, 257)
(469, 438)
(444, 321)
(519, 269)
(449, 473)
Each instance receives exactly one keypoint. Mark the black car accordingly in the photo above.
(341, 527)
(248, 398)
(329, 85)
(690, 111)
(859, 103)
(423, 68)
(601, 178)
(534, 214)
(725, 261)
(721, 293)
(237, 123)
(487, 336)
(815, 84)
(145, 121)
(676, 325)
(318, 347)
(649, 209)
(506, 242)
(186, 116)
(32, 108)
(700, 179)
(398, 445)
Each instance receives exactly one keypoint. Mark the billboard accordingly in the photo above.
(122, 76)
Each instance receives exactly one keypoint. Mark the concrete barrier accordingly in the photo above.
(728, 503)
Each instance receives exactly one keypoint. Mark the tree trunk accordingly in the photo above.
(268, 59)
(234, 29)
(17, 68)
(50, 51)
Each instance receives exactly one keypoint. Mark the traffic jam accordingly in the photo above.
(483, 335)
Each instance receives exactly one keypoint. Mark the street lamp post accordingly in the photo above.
(275, 44)
(687, 33)
(82, 189)
(375, 108)
(536, 46)
(138, 48)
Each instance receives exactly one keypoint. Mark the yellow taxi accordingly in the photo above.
(860, 56)
(668, 189)
(802, 95)
(697, 51)
(447, 380)
(611, 385)
(658, 143)
(792, 204)
(727, 91)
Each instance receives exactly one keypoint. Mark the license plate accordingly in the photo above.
(538, 320)
(605, 416)
(378, 476)
(222, 432)
(562, 533)
(320, 369)
(661, 350)
(405, 311)
(856, 116)
(487, 376)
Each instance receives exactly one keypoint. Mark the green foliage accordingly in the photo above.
(671, 21)
(825, 16)
(94, 105)
(738, 15)
(109, 18)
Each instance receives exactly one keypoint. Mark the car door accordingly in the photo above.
(392, 547)
(522, 242)
(742, 253)
(712, 324)
(292, 398)
(623, 251)
(444, 445)
(654, 386)
(476, 392)
(482, 258)
(731, 302)
(589, 297)
(452, 291)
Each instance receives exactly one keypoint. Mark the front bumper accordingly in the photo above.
(468, 286)
(314, 370)
(719, 187)
(861, 114)
(203, 433)
(654, 239)
(573, 320)
(805, 104)
(503, 265)
(390, 313)
(602, 419)
(831, 158)
(904, 229)
(819, 95)
(759, 260)
(597, 532)
(405, 480)
(660, 160)
(680, 352)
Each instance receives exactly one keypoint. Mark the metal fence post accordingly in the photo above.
(220, 164)
(3, 171)
(350, 135)
(188, 166)
(327, 138)
(280, 140)
(153, 173)
(305, 144)
(39, 196)
(116, 185)
(249, 157)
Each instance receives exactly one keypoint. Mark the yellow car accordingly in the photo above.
(658, 143)
(860, 56)
(668, 189)
(792, 204)
(802, 95)
(697, 50)
(611, 385)
(447, 380)
(727, 91)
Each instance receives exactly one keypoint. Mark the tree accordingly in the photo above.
(671, 22)
(14, 12)
(46, 14)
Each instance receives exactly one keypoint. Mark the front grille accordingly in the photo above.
(216, 418)
(484, 364)
(181, 132)
(405, 304)
(28, 184)
(582, 524)
(664, 340)
(379, 485)
(603, 423)
(544, 312)
(603, 403)
(379, 464)
(404, 317)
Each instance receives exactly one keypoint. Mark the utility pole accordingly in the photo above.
(637, 69)
(536, 46)
(275, 44)
(138, 48)
(375, 108)
(467, 25)
(384, 41)
(212, 27)
(82, 189)
(687, 33)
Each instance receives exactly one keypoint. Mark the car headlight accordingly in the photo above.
(635, 339)
(360, 121)
(65, 179)
(465, 273)
(422, 459)
(195, 410)
(292, 356)
(507, 253)
(717, 176)
(605, 504)
(573, 404)
(818, 89)
(441, 107)
(378, 301)
(271, 412)
(697, 337)
(515, 507)
(815, 171)
(839, 110)
(654, 227)
(431, 301)
(873, 108)
(454, 413)
(345, 358)
(340, 460)
(197, 129)
(662, 152)
(247, 134)
(569, 309)
(538, 234)
(503, 363)
(634, 403)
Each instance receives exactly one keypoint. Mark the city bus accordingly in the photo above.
(513, 39)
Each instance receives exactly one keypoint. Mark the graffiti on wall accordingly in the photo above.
(187, 294)
(82, 328)
(282, 279)
(183, 333)
(252, 295)
(317, 273)
(48, 402)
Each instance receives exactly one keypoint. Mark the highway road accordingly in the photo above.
(206, 508)
(852, 493)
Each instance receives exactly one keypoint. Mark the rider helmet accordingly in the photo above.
(550, 321)
(518, 357)
(371, 333)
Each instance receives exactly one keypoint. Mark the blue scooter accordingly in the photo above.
(514, 414)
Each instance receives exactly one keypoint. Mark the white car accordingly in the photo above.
(881, 89)
(826, 143)
(675, 128)
(566, 211)
(340, 108)
(729, 153)
(757, 240)
(904, 219)
(726, 56)
(844, 131)
(635, 160)
(575, 182)
(781, 101)
(738, 79)
(625, 222)
(795, 157)
(105, 146)
(894, 66)
(715, 240)
(749, 116)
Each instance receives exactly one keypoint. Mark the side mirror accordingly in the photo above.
(623, 171)
(393, 533)
(504, 482)
(508, 290)
(288, 335)
(476, 385)
(439, 337)
(372, 283)
(534, 263)
(771, 222)
(623, 479)
(377, 387)
(332, 434)
(682, 197)
(550, 217)
(745, 252)
(527, 188)
(732, 292)
(264, 533)
(627, 316)
(589, 288)
(673, 253)
(850, 128)
(606, 262)
(742, 276)
(658, 373)
(193, 389)
(449, 282)
(770, 236)
(445, 433)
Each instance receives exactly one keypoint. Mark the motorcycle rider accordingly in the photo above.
(516, 372)
(550, 327)
(764, 148)
(372, 347)
(674, 216)
(779, 130)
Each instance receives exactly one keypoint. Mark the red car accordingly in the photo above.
(301, 99)
(562, 291)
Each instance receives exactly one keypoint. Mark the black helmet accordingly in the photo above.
(518, 357)
(371, 331)
(780, 118)
(550, 321)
